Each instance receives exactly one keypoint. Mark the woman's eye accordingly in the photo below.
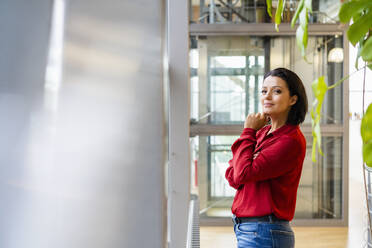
(263, 92)
(278, 91)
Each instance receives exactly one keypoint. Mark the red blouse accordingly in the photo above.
(266, 170)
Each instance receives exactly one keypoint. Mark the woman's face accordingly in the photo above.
(275, 97)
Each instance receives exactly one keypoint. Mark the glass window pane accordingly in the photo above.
(229, 74)
(194, 58)
(319, 194)
(261, 61)
(231, 69)
(228, 62)
(212, 154)
(194, 98)
(252, 61)
(227, 99)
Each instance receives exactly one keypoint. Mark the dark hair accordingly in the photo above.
(298, 110)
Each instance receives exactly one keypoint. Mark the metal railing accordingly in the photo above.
(193, 229)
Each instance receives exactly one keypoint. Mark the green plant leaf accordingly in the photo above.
(308, 5)
(356, 65)
(360, 46)
(313, 151)
(359, 28)
(370, 66)
(279, 13)
(366, 133)
(367, 153)
(346, 12)
(305, 26)
(366, 125)
(319, 88)
(269, 6)
(301, 32)
(366, 51)
(297, 13)
(301, 13)
(304, 18)
(357, 16)
(318, 136)
(351, 8)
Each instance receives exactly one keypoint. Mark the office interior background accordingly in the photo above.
(118, 117)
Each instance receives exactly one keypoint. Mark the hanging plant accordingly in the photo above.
(359, 34)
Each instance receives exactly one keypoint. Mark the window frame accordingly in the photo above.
(341, 129)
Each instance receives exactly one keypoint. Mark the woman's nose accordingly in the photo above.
(267, 95)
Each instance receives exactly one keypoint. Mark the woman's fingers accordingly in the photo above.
(255, 121)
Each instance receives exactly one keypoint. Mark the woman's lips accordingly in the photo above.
(267, 105)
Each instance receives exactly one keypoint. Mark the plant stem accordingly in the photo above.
(344, 78)
(364, 86)
(364, 170)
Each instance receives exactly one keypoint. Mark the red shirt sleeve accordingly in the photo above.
(248, 134)
(229, 176)
(274, 160)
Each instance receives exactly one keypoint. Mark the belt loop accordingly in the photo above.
(235, 219)
(271, 218)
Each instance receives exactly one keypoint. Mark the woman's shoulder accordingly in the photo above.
(294, 135)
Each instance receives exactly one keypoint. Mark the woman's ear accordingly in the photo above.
(293, 100)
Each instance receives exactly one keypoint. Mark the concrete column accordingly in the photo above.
(179, 122)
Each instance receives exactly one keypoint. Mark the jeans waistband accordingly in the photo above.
(267, 218)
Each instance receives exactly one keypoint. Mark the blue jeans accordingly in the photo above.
(264, 235)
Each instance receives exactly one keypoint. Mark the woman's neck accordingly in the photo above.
(277, 123)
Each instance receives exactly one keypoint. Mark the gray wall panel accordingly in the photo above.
(82, 166)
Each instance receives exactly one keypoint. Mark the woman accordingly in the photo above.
(267, 163)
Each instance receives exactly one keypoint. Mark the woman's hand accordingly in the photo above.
(255, 121)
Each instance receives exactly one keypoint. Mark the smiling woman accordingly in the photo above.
(288, 94)
(276, 100)
(267, 164)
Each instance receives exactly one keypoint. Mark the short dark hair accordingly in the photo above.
(298, 111)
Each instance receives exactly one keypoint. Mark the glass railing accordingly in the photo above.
(254, 11)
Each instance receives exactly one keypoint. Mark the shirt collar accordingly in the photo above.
(283, 129)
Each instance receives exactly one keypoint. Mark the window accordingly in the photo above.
(226, 79)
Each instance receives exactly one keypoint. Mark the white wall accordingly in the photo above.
(357, 200)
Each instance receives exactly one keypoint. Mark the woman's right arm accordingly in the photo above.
(229, 176)
(253, 122)
(245, 142)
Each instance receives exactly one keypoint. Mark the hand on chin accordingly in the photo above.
(266, 112)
